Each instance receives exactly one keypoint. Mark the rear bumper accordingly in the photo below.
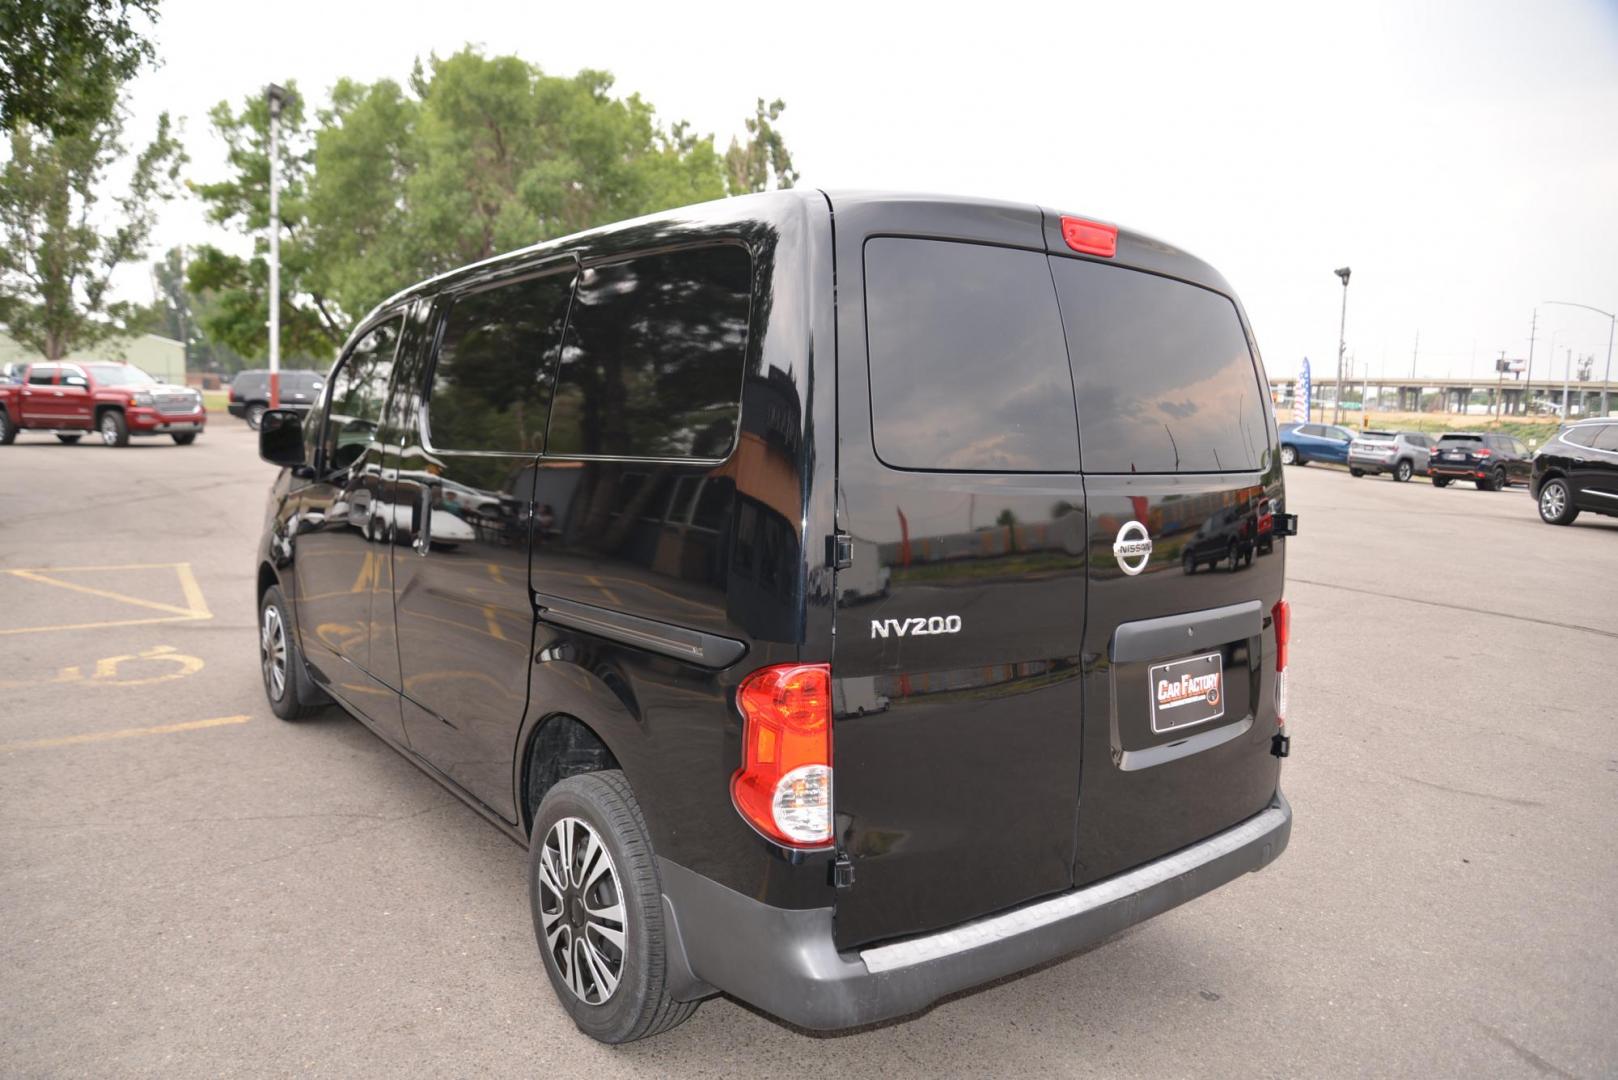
(785, 962)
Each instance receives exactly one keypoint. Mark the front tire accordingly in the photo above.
(1403, 471)
(1556, 503)
(114, 430)
(8, 430)
(597, 905)
(1500, 481)
(1289, 455)
(279, 659)
(255, 414)
(67, 440)
(184, 438)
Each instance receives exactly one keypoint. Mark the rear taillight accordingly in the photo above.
(1483, 453)
(783, 788)
(1283, 638)
(1090, 237)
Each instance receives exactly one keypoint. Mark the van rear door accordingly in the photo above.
(960, 610)
(1178, 448)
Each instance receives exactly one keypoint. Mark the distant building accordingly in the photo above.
(160, 357)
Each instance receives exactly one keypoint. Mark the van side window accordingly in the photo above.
(653, 356)
(492, 380)
(358, 391)
(968, 371)
(1163, 375)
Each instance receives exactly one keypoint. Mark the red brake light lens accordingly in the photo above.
(1485, 452)
(783, 788)
(1282, 616)
(1090, 237)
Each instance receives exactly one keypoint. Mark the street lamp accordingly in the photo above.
(1612, 323)
(1342, 327)
(277, 98)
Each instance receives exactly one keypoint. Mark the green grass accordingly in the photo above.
(215, 400)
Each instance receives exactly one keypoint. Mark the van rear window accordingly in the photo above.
(1164, 379)
(968, 369)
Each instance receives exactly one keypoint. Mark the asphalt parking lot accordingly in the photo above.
(191, 887)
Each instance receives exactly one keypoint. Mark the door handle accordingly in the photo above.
(59, 393)
(423, 541)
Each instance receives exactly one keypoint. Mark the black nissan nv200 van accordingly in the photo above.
(799, 577)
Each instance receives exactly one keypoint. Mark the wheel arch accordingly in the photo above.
(558, 745)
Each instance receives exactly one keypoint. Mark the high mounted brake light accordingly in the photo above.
(1090, 237)
(783, 788)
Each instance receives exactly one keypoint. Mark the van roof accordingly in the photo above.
(944, 216)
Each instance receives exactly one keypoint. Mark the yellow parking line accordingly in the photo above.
(105, 625)
(122, 733)
(107, 594)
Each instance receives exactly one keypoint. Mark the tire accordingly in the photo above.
(1289, 455)
(274, 626)
(1403, 471)
(114, 430)
(1234, 554)
(184, 438)
(1440, 481)
(1499, 481)
(1355, 472)
(1188, 564)
(8, 430)
(255, 414)
(1556, 502)
(637, 1004)
(68, 440)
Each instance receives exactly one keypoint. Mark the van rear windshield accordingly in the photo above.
(1162, 373)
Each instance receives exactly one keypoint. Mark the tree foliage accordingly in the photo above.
(474, 155)
(751, 166)
(179, 313)
(59, 247)
(63, 62)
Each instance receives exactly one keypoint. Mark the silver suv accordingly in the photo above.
(1401, 453)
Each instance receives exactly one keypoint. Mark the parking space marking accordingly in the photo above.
(106, 670)
(196, 608)
(122, 733)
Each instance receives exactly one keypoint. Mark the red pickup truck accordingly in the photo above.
(115, 400)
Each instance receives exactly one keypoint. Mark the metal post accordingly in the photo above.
(1606, 383)
(1342, 327)
(1528, 381)
(1567, 378)
(276, 96)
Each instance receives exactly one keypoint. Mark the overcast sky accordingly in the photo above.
(1461, 157)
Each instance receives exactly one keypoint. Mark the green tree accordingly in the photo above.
(58, 246)
(179, 313)
(474, 155)
(751, 166)
(63, 62)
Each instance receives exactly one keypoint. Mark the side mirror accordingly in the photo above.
(280, 438)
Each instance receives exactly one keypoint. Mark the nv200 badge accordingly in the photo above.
(1187, 692)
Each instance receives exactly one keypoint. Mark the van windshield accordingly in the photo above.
(1162, 373)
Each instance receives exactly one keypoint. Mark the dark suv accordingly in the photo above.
(1491, 462)
(759, 584)
(250, 392)
(1577, 470)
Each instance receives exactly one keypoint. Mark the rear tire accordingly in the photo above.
(184, 438)
(114, 430)
(8, 430)
(1289, 456)
(1556, 502)
(1440, 481)
(1356, 472)
(68, 440)
(1403, 471)
(279, 659)
(255, 414)
(614, 858)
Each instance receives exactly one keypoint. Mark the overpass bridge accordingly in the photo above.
(1517, 396)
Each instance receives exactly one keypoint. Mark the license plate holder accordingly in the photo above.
(1186, 692)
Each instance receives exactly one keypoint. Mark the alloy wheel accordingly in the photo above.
(272, 651)
(109, 429)
(1552, 501)
(1404, 470)
(582, 912)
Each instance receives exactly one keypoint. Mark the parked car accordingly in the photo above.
(1401, 454)
(777, 496)
(1228, 536)
(116, 400)
(1577, 470)
(1492, 462)
(1303, 443)
(250, 392)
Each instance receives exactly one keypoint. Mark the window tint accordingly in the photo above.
(652, 361)
(42, 375)
(74, 376)
(492, 379)
(968, 368)
(1581, 436)
(1607, 438)
(1164, 378)
(1460, 439)
(358, 392)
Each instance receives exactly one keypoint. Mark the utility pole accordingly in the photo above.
(1499, 385)
(1528, 381)
(1612, 325)
(1567, 377)
(1342, 330)
(276, 97)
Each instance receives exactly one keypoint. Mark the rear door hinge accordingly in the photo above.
(1280, 745)
(840, 551)
(842, 871)
(1286, 524)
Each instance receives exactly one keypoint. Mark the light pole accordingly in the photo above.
(1342, 327)
(276, 96)
(1612, 324)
